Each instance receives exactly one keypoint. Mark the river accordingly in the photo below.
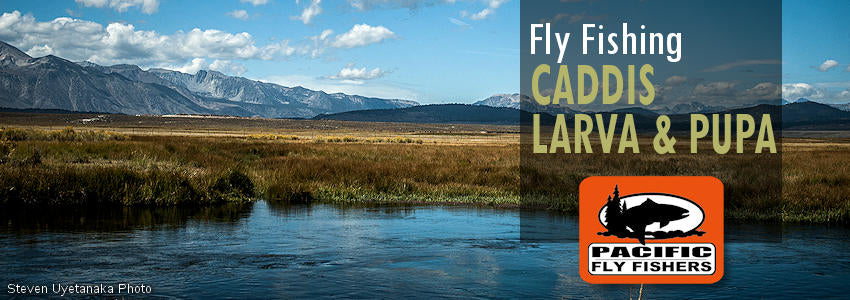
(263, 250)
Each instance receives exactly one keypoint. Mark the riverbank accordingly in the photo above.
(78, 167)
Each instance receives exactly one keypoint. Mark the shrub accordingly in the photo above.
(233, 185)
(68, 186)
(13, 134)
(288, 194)
(7, 148)
(34, 159)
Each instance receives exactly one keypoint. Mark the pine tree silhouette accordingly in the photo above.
(614, 212)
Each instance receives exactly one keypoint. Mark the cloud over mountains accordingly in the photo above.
(82, 40)
(115, 43)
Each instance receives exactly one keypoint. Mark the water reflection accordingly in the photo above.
(117, 218)
(273, 250)
(541, 226)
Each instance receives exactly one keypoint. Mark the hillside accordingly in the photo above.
(814, 116)
(437, 113)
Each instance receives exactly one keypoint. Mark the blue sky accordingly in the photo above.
(816, 50)
(431, 51)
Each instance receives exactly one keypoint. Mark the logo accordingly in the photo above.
(660, 229)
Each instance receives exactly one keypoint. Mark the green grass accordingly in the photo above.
(357, 195)
(36, 185)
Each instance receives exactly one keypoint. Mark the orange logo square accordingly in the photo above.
(651, 229)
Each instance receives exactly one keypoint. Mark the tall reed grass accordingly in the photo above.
(48, 168)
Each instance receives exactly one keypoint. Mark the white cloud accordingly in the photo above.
(828, 64)
(147, 6)
(71, 12)
(197, 64)
(492, 5)
(718, 88)
(240, 14)
(311, 11)
(352, 73)
(325, 34)
(762, 91)
(575, 18)
(458, 22)
(743, 63)
(393, 4)
(496, 3)
(481, 14)
(675, 80)
(40, 50)
(227, 67)
(191, 67)
(794, 91)
(352, 87)
(362, 35)
(833, 84)
(319, 43)
(79, 40)
(255, 2)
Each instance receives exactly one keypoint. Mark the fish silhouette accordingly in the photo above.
(649, 212)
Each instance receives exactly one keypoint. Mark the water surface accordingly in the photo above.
(263, 250)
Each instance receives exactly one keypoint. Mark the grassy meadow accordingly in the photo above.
(164, 170)
(392, 164)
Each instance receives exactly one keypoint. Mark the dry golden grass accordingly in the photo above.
(816, 181)
(470, 166)
(338, 169)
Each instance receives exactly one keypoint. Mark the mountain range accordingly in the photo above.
(51, 82)
(501, 100)
(515, 101)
